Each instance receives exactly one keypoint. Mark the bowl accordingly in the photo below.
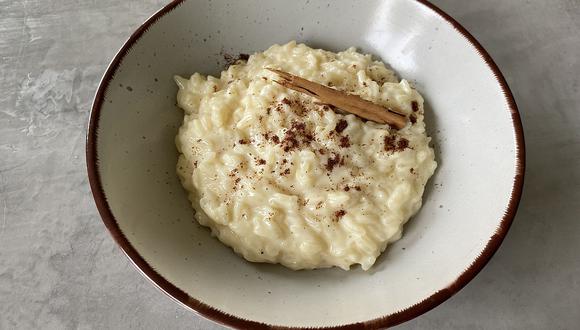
(469, 203)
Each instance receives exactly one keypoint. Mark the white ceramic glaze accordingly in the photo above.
(466, 211)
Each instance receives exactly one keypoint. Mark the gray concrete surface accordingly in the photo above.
(59, 268)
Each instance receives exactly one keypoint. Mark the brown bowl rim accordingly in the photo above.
(237, 322)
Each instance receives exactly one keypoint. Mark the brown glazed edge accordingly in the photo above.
(236, 322)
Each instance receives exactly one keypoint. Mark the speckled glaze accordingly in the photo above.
(467, 208)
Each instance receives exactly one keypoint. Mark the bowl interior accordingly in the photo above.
(468, 117)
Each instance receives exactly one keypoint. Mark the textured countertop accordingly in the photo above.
(59, 268)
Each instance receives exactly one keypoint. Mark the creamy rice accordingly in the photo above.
(282, 179)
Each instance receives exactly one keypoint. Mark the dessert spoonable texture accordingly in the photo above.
(283, 176)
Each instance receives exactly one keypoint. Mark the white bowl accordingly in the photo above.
(468, 206)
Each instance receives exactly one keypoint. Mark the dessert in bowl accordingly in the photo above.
(468, 203)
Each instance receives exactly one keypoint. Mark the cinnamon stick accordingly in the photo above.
(348, 102)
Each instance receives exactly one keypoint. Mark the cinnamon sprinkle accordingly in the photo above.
(340, 126)
(333, 161)
(402, 144)
(339, 214)
(295, 137)
(231, 59)
(395, 143)
(415, 106)
(344, 142)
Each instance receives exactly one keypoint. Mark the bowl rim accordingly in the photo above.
(230, 320)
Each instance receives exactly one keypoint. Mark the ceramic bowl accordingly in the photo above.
(468, 206)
